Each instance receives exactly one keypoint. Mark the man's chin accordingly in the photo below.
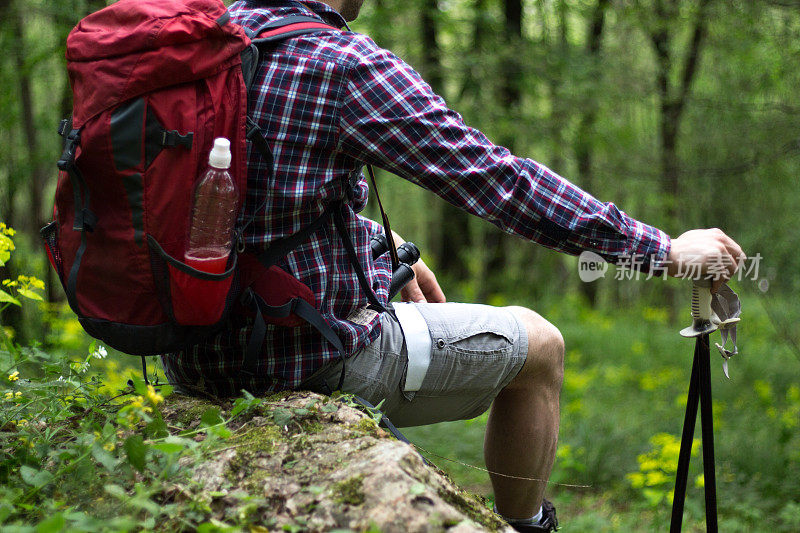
(350, 9)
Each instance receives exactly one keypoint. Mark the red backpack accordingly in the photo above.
(154, 82)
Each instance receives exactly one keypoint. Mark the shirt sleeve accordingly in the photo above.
(392, 119)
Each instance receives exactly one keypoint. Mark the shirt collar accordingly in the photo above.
(321, 9)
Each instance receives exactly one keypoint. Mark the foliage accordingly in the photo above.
(73, 452)
(736, 163)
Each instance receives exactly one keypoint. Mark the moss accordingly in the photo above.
(256, 439)
(368, 427)
(278, 396)
(468, 504)
(313, 426)
(190, 411)
(251, 443)
(351, 491)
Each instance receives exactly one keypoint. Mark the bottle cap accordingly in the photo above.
(220, 156)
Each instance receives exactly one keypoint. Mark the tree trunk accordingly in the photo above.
(672, 101)
(450, 236)
(28, 120)
(584, 136)
(494, 257)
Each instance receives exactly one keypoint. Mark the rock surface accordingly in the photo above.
(321, 464)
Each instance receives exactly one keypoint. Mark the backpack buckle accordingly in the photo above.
(85, 220)
(171, 138)
(64, 126)
(67, 160)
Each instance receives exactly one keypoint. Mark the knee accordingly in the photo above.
(545, 357)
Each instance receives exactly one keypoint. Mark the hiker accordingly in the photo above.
(332, 102)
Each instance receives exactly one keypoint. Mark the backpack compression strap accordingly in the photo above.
(84, 218)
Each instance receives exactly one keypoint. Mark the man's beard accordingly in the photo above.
(350, 9)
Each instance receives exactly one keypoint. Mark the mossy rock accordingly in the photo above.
(306, 462)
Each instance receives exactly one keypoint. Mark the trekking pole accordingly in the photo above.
(699, 391)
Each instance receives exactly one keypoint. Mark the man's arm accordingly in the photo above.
(391, 118)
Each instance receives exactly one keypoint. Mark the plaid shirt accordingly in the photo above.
(330, 102)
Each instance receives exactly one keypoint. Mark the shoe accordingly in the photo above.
(548, 522)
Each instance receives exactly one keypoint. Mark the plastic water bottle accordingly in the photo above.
(213, 213)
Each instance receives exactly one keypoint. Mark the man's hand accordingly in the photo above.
(705, 252)
(424, 287)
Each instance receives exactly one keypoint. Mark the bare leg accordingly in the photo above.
(522, 431)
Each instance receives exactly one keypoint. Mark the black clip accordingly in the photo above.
(88, 219)
(67, 160)
(170, 138)
(64, 126)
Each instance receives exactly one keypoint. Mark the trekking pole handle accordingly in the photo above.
(701, 299)
(701, 310)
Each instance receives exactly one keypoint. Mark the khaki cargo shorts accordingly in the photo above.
(476, 350)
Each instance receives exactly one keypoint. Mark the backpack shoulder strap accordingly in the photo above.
(274, 32)
(287, 27)
(265, 35)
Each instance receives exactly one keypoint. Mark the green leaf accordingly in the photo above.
(156, 428)
(244, 404)
(6, 510)
(136, 449)
(139, 386)
(282, 416)
(300, 411)
(27, 293)
(239, 405)
(211, 417)
(37, 478)
(329, 408)
(116, 491)
(108, 461)
(7, 298)
(53, 524)
(169, 447)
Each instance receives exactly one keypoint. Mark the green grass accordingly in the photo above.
(626, 380)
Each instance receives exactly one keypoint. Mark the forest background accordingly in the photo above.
(684, 113)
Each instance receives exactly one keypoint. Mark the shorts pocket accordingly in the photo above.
(191, 297)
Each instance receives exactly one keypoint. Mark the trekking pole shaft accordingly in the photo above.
(687, 436)
(707, 424)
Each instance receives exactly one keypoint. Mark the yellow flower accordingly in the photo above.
(14, 376)
(9, 396)
(109, 447)
(154, 397)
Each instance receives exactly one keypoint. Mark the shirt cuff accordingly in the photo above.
(648, 248)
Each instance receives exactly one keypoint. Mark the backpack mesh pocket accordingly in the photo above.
(50, 236)
(191, 297)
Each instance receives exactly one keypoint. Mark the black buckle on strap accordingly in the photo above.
(67, 160)
(171, 138)
(64, 126)
(85, 219)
